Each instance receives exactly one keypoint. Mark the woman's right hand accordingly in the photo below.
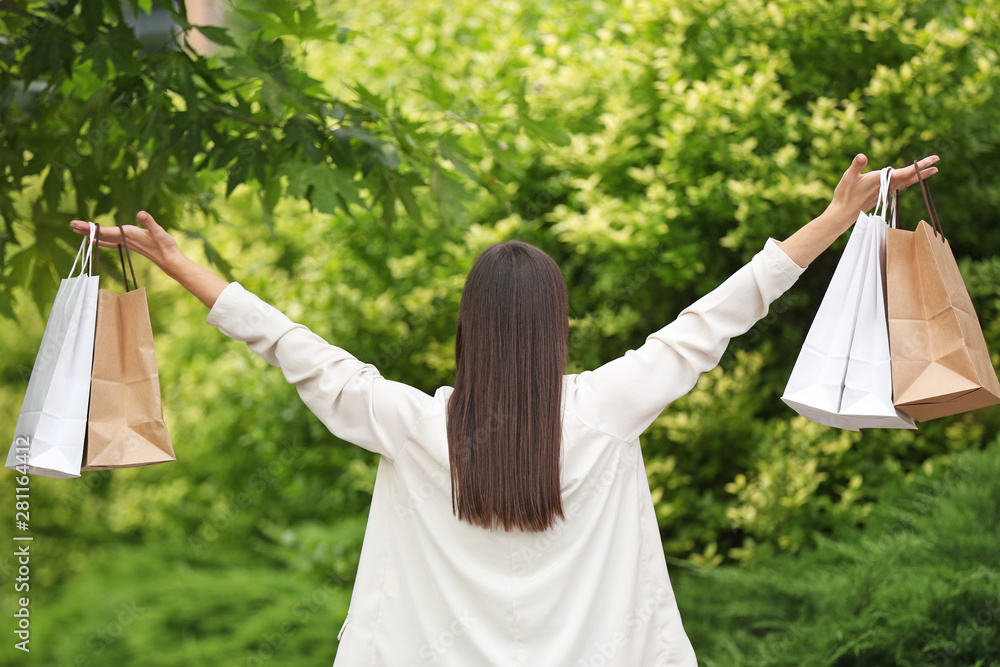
(153, 242)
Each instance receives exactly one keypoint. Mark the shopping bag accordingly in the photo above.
(940, 363)
(842, 376)
(126, 426)
(52, 425)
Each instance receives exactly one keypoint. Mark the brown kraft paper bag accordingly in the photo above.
(125, 426)
(940, 363)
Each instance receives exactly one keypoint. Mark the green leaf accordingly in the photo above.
(270, 194)
(53, 188)
(326, 188)
(44, 284)
(248, 153)
(301, 133)
(369, 100)
(549, 131)
(309, 26)
(217, 34)
(449, 193)
(8, 215)
(21, 271)
(361, 135)
(151, 179)
(99, 52)
(92, 15)
(389, 156)
(451, 149)
(6, 302)
(388, 200)
(404, 190)
(441, 96)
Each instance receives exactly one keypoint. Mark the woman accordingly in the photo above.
(511, 520)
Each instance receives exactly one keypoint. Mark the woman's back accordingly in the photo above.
(434, 590)
(452, 593)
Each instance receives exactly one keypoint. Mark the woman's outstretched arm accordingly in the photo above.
(155, 244)
(349, 396)
(624, 396)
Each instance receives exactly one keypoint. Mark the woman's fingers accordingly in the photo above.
(82, 227)
(903, 178)
(857, 164)
(146, 220)
(153, 242)
(111, 236)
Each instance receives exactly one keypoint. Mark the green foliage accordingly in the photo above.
(918, 585)
(127, 601)
(103, 123)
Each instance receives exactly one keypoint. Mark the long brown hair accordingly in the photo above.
(504, 417)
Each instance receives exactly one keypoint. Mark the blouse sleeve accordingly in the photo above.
(624, 396)
(350, 397)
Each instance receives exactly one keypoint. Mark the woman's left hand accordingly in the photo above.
(855, 193)
(858, 192)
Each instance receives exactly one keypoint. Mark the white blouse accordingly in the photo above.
(591, 591)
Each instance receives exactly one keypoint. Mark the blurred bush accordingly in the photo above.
(918, 585)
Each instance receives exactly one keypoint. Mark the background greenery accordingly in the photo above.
(348, 162)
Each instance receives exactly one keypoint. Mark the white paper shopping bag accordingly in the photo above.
(843, 376)
(816, 385)
(50, 431)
